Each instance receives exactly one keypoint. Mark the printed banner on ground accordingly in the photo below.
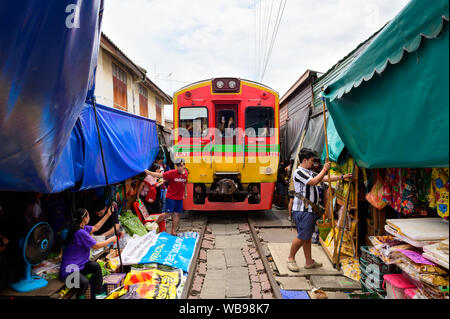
(171, 251)
(162, 249)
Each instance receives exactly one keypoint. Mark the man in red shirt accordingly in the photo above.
(176, 191)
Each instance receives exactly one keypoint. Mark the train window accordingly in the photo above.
(194, 120)
(226, 122)
(259, 121)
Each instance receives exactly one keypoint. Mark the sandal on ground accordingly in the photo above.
(292, 266)
(314, 265)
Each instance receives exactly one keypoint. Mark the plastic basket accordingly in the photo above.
(113, 281)
(366, 288)
(395, 286)
(379, 265)
(376, 278)
(363, 263)
(364, 295)
(410, 293)
(324, 228)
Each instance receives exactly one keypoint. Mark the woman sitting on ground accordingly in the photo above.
(78, 242)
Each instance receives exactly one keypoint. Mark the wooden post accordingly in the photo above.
(330, 198)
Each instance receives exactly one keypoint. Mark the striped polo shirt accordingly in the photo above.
(301, 177)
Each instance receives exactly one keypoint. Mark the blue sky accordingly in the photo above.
(201, 39)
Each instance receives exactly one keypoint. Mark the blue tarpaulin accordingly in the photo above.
(130, 145)
(48, 134)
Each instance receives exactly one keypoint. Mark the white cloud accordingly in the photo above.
(201, 39)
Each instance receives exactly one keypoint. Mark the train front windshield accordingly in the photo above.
(259, 121)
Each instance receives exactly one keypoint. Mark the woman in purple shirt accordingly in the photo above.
(75, 264)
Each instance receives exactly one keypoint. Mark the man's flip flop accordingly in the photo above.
(315, 265)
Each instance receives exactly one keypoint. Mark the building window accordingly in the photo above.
(120, 88)
(158, 104)
(143, 101)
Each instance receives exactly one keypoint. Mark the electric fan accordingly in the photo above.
(36, 246)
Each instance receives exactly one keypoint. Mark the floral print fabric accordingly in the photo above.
(439, 190)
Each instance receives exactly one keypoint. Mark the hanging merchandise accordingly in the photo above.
(423, 185)
(409, 201)
(439, 190)
(343, 186)
(402, 190)
(375, 196)
(392, 188)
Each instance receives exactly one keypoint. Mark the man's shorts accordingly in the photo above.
(305, 222)
(281, 189)
(174, 206)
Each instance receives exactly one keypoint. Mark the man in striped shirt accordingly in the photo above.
(306, 184)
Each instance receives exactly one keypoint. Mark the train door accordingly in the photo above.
(227, 137)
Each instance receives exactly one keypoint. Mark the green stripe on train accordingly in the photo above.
(226, 148)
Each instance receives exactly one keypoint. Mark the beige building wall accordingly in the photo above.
(104, 92)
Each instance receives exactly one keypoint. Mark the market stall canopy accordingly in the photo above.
(129, 142)
(47, 64)
(399, 117)
(335, 144)
(130, 145)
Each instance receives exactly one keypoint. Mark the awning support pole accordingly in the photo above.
(106, 179)
(330, 198)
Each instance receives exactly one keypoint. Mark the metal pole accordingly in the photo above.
(108, 188)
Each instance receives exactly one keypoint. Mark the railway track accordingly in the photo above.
(229, 262)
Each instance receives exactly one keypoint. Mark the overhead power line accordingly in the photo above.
(264, 48)
(273, 41)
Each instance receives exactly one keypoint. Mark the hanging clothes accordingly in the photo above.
(400, 191)
(409, 200)
(439, 190)
(392, 188)
(424, 184)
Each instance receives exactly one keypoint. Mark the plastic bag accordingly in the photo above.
(384, 246)
(375, 196)
(151, 284)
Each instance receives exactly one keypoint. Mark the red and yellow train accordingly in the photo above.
(227, 131)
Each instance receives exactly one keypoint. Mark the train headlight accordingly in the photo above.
(220, 84)
(269, 170)
(232, 84)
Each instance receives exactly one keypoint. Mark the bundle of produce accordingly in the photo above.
(132, 224)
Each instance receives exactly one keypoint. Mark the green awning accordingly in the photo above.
(335, 144)
(400, 116)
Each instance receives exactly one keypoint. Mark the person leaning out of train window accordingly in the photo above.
(222, 125)
(265, 130)
(230, 123)
(75, 263)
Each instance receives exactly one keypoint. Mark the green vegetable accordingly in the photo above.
(132, 224)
